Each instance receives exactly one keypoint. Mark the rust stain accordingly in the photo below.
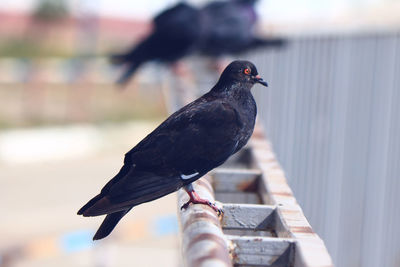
(207, 236)
(234, 256)
(302, 229)
(282, 194)
(247, 186)
(216, 253)
(202, 216)
(289, 211)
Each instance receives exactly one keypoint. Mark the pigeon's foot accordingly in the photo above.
(196, 199)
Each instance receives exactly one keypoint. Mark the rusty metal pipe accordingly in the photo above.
(203, 242)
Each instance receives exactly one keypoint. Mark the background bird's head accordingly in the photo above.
(241, 71)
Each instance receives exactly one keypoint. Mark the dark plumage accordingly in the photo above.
(219, 28)
(229, 28)
(197, 138)
(176, 31)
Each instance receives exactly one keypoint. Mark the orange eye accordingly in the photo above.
(247, 71)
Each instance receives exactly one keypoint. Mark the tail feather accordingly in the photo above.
(141, 53)
(89, 204)
(128, 73)
(119, 59)
(120, 194)
(139, 195)
(109, 224)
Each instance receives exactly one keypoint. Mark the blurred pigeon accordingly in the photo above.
(229, 28)
(219, 28)
(197, 138)
(176, 30)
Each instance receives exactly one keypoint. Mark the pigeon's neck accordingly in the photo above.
(233, 87)
(237, 91)
(240, 97)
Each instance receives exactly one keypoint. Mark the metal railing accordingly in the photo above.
(262, 224)
(332, 114)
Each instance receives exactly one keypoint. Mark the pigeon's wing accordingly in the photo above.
(228, 27)
(174, 16)
(176, 31)
(189, 143)
(200, 133)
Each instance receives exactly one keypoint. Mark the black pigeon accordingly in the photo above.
(197, 138)
(229, 28)
(176, 31)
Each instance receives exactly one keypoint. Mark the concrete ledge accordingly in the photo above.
(309, 247)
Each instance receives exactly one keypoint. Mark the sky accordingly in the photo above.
(271, 10)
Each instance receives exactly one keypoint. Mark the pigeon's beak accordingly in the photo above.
(259, 80)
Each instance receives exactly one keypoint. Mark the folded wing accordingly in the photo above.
(195, 139)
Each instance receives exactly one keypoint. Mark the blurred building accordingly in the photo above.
(63, 36)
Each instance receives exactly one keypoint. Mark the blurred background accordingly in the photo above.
(331, 112)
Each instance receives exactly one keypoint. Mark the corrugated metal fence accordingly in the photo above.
(332, 112)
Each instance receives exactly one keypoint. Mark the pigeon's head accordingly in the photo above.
(243, 72)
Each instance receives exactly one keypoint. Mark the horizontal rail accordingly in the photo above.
(268, 230)
(203, 242)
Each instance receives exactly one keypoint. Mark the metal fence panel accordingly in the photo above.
(332, 113)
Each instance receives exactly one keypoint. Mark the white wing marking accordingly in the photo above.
(185, 177)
